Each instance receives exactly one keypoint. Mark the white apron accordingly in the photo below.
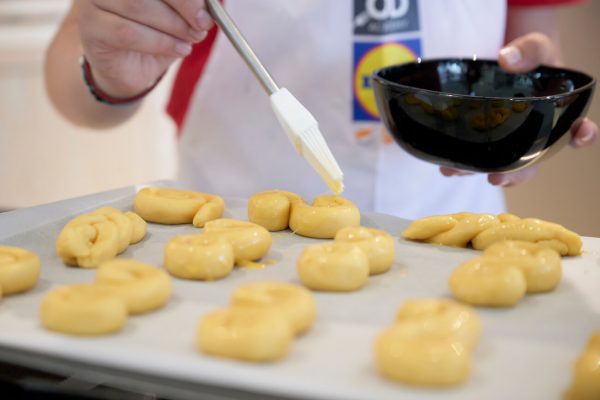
(322, 50)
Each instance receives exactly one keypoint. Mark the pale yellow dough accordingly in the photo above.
(378, 245)
(324, 218)
(333, 267)
(272, 209)
(540, 265)
(204, 257)
(142, 286)
(84, 309)
(586, 374)
(429, 344)
(139, 227)
(123, 223)
(19, 270)
(249, 241)
(482, 230)
(295, 304)
(245, 333)
(175, 206)
(489, 282)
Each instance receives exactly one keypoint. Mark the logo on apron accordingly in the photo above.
(384, 17)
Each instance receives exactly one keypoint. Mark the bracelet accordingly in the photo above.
(102, 96)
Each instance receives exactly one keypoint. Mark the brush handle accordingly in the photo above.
(241, 45)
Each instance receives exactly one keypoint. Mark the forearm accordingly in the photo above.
(65, 86)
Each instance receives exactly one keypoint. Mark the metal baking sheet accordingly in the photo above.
(526, 351)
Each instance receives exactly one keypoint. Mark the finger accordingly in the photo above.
(528, 52)
(110, 31)
(512, 178)
(583, 133)
(154, 14)
(193, 11)
(447, 171)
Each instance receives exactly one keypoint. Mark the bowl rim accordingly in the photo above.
(376, 77)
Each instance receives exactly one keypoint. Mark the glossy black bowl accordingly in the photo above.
(473, 116)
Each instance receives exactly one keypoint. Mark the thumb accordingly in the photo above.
(528, 52)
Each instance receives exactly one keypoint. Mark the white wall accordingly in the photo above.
(43, 158)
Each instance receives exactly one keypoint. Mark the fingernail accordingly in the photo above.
(512, 55)
(204, 20)
(198, 35)
(183, 48)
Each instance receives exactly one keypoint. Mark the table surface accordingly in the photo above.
(526, 349)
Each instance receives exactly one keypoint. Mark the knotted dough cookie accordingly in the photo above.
(257, 334)
(482, 230)
(19, 270)
(249, 241)
(175, 206)
(84, 309)
(272, 209)
(378, 246)
(205, 257)
(586, 374)
(429, 344)
(293, 302)
(90, 239)
(324, 218)
(333, 266)
(142, 286)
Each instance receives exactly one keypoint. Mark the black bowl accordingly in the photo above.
(474, 116)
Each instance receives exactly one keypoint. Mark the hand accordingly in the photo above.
(131, 43)
(521, 55)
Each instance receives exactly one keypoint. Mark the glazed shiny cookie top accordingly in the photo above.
(482, 230)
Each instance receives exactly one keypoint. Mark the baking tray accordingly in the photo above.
(525, 352)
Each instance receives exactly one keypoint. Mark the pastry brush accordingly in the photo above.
(297, 122)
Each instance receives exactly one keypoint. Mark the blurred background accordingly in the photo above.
(43, 158)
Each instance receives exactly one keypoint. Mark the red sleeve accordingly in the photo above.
(543, 2)
(188, 76)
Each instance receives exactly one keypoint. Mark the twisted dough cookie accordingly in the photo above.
(586, 375)
(249, 241)
(142, 286)
(430, 344)
(333, 266)
(482, 230)
(506, 271)
(272, 209)
(257, 334)
(378, 245)
(204, 257)
(84, 309)
(324, 218)
(175, 206)
(19, 270)
(295, 304)
(90, 239)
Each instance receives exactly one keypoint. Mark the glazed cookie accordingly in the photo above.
(414, 353)
(19, 270)
(142, 286)
(487, 281)
(540, 265)
(482, 230)
(333, 266)
(249, 241)
(245, 333)
(272, 209)
(444, 317)
(88, 240)
(378, 245)
(586, 374)
(204, 257)
(175, 206)
(84, 309)
(294, 303)
(324, 218)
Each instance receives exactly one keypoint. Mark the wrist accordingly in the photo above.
(105, 91)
